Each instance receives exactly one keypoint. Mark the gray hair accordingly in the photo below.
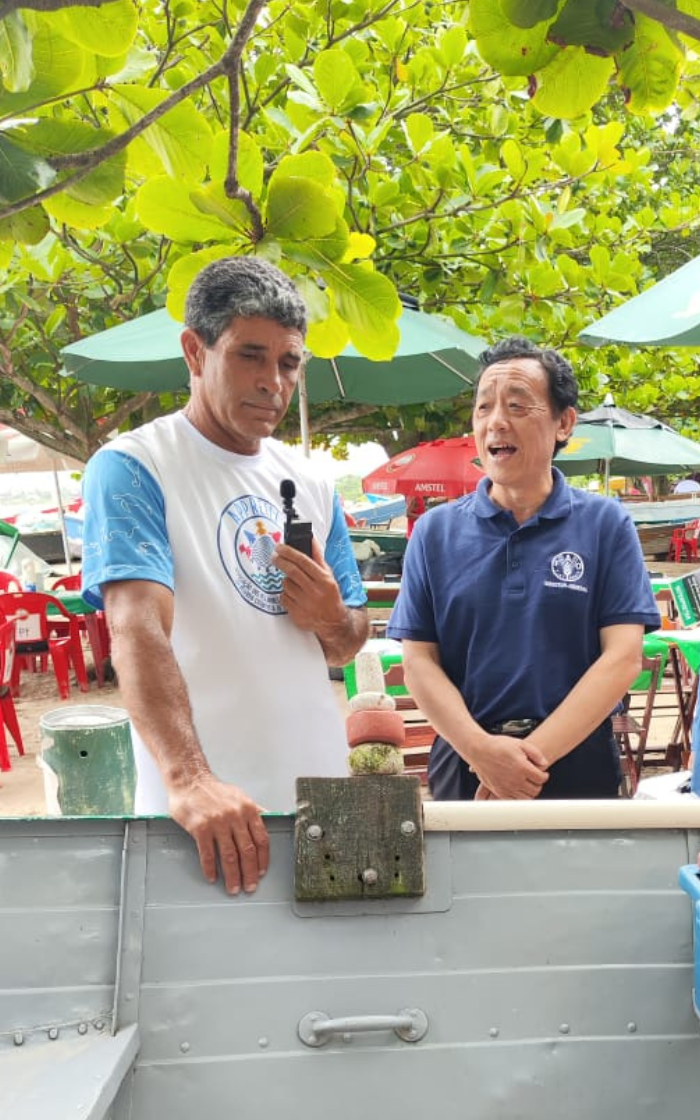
(242, 288)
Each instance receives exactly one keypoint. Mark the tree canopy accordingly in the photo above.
(369, 147)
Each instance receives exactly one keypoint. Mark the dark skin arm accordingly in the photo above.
(223, 821)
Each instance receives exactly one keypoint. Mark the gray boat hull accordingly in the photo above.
(554, 971)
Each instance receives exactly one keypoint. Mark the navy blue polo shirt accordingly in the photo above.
(516, 610)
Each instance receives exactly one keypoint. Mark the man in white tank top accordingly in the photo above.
(221, 633)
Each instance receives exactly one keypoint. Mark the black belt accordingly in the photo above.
(517, 728)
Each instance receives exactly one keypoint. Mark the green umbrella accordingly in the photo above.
(435, 360)
(667, 314)
(612, 441)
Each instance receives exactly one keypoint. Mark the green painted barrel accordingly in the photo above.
(88, 762)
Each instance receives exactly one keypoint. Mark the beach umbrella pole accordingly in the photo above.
(62, 520)
(304, 414)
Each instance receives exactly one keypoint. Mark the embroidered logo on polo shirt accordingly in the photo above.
(568, 567)
(249, 529)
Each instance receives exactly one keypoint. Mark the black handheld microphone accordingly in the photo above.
(296, 533)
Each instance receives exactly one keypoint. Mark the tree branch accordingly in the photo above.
(87, 161)
(233, 64)
(668, 17)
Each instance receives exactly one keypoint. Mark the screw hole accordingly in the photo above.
(83, 754)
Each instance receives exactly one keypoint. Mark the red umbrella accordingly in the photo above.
(442, 468)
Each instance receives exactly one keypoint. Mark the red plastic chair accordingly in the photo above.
(9, 581)
(93, 625)
(67, 583)
(35, 630)
(684, 541)
(9, 715)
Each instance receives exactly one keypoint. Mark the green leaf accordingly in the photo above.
(231, 212)
(452, 43)
(317, 300)
(601, 28)
(571, 270)
(165, 206)
(6, 251)
(302, 81)
(109, 30)
(332, 246)
(571, 83)
(335, 75)
(360, 246)
(568, 218)
(59, 66)
(508, 49)
(649, 71)
(29, 227)
(181, 138)
(419, 130)
(71, 211)
(328, 337)
(600, 261)
(526, 13)
(21, 173)
(370, 305)
(385, 193)
(294, 44)
(55, 319)
(513, 159)
(16, 62)
(299, 209)
(543, 280)
(47, 261)
(308, 165)
(390, 32)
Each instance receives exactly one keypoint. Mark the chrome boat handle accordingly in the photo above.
(316, 1028)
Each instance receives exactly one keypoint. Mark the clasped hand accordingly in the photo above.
(510, 770)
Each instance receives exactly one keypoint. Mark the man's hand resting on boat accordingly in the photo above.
(227, 829)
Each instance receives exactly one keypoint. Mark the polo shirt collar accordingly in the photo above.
(558, 503)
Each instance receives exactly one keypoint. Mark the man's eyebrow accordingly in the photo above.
(262, 348)
(513, 390)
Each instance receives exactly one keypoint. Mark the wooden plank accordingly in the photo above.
(359, 837)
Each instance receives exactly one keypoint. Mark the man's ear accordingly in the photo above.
(567, 422)
(193, 348)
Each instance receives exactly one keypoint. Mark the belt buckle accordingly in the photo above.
(518, 727)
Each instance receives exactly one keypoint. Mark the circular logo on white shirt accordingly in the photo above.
(567, 567)
(249, 529)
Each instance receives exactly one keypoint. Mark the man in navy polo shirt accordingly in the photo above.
(523, 605)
